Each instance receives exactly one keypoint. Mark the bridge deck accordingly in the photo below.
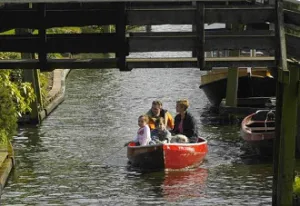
(141, 63)
(61, 13)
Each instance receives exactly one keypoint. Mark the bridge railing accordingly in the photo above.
(140, 14)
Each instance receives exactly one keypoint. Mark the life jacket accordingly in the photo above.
(170, 121)
(152, 119)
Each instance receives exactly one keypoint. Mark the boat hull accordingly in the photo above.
(167, 156)
(259, 133)
(146, 157)
(248, 86)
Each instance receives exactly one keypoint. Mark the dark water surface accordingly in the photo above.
(76, 157)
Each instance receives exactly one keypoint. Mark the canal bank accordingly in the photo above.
(55, 97)
(6, 163)
(57, 93)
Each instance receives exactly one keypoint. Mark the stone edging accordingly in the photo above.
(57, 94)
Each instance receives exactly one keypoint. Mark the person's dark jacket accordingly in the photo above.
(189, 126)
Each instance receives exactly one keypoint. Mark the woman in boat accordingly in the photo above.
(185, 123)
(157, 111)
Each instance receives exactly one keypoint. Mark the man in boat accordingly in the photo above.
(185, 123)
(156, 112)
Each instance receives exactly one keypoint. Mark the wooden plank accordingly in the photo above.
(240, 62)
(208, 33)
(240, 14)
(292, 17)
(76, 43)
(236, 15)
(147, 44)
(57, 18)
(192, 62)
(80, 17)
(162, 62)
(140, 63)
(103, 43)
(262, 128)
(59, 63)
(293, 45)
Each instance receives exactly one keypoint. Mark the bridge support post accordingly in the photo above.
(233, 76)
(286, 118)
(286, 138)
(232, 83)
(194, 29)
(31, 76)
(121, 35)
(106, 29)
(232, 87)
(148, 28)
(200, 35)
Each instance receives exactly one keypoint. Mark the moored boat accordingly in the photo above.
(167, 156)
(257, 82)
(258, 129)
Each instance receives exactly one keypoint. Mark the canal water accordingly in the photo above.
(76, 156)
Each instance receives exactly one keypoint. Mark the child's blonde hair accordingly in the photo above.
(145, 117)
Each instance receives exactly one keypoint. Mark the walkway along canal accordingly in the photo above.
(76, 156)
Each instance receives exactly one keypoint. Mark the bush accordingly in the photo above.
(15, 99)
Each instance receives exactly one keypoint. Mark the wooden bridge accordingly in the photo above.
(43, 14)
(250, 25)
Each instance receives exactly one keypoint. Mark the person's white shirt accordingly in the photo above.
(143, 135)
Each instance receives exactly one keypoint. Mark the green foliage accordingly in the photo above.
(15, 99)
(62, 30)
(9, 32)
(10, 55)
(92, 29)
(296, 186)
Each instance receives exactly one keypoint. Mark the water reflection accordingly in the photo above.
(179, 185)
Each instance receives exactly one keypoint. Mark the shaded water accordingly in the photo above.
(76, 157)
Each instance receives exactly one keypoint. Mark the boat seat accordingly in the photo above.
(262, 128)
(261, 124)
(261, 115)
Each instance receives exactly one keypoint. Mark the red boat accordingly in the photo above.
(167, 156)
(258, 128)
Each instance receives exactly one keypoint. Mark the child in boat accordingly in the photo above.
(160, 134)
(143, 136)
